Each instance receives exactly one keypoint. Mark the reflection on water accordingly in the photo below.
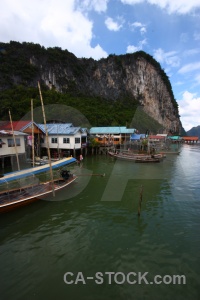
(41, 242)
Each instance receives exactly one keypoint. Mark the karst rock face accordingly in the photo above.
(141, 80)
(134, 76)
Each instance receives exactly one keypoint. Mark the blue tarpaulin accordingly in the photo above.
(135, 137)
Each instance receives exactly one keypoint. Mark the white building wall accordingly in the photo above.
(60, 144)
(77, 145)
(5, 150)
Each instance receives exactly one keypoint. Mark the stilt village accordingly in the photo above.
(65, 140)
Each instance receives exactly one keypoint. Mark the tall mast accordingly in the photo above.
(47, 139)
(14, 141)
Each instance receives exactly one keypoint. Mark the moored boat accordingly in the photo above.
(171, 152)
(16, 194)
(135, 156)
(36, 170)
(10, 200)
(147, 160)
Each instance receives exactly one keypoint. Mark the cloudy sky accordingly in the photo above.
(169, 30)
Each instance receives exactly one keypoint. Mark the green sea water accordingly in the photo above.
(90, 243)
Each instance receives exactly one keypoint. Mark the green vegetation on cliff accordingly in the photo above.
(22, 65)
(99, 112)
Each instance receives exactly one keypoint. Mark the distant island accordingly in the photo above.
(194, 131)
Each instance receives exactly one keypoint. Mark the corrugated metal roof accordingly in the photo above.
(162, 134)
(54, 129)
(9, 133)
(17, 125)
(111, 130)
(28, 125)
(174, 137)
(156, 137)
(130, 130)
(190, 138)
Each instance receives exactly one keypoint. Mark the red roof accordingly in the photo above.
(17, 125)
(156, 137)
(190, 138)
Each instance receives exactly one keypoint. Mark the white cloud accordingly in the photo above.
(143, 30)
(172, 6)
(136, 24)
(189, 68)
(49, 23)
(196, 36)
(139, 25)
(190, 52)
(184, 37)
(132, 48)
(189, 108)
(113, 25)
(178, 83)
(96, 5)
(143, 42)
(170, 58)
(197, 79)
(131, 2)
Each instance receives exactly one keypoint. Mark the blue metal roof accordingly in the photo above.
(57, 129)
(175, 137)
(28, 125)
(130, 130)
(111, 130)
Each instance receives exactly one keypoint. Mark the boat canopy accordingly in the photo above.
(36, 170)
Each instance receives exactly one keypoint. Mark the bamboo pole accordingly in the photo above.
(47, 139)
(33, 153)
(18, 166)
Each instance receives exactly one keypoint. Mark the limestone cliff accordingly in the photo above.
(135, 76)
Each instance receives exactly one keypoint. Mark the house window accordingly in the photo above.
(54, 140)
(18, 142)
(77, 140)
(12, 144)
(66, 140)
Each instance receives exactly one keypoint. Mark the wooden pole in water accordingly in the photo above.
(33, 153)
(14, 141)
(47, 139)
(140, 200)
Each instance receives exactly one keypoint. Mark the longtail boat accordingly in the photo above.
(23, 187)
(135, 156)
